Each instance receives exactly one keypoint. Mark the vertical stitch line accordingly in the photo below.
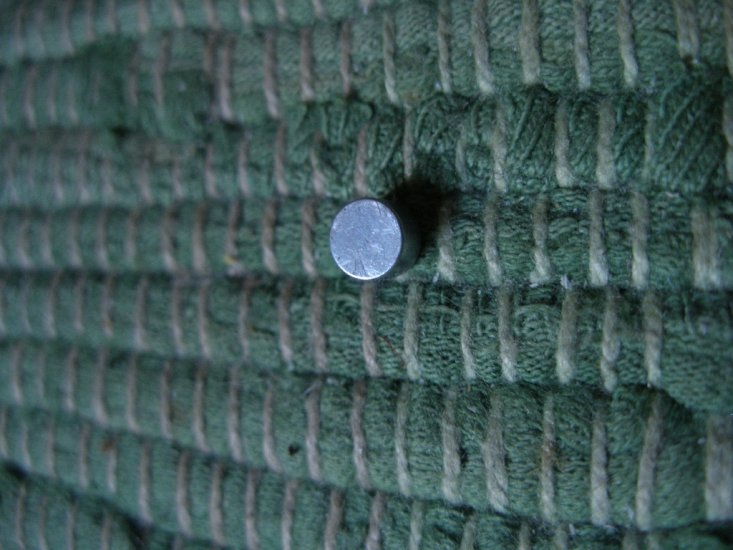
(202, 313)
(111, 472)
(70, 380)
(529, 42)
(359, 451)
(719, 468)
(542, 268)
(307, 93)
(368, 334)
(625, 30)
(400, 439)
(468, 537)
(599, 503)
(285, 337)
(210, 173)
(388, 55)
(139, 337)
(480, 46)
(345, 57)
(15, 373)
(28, 96)
(313, 424)
(243, 318)
(469, 363)
(318, 337)
(20, 511)
(131, 395)
(279, 160)
(491, 251)
(449, 441)
(610, 341)
(216, 513)
(159, 70)
(580, 44)
(177, 14)
(199, 408)
(167, 231)
(446, 263)
(224, 79)
(728, 118)
(288, 512)
(408, 146)
(444, 36)
(176, 330)
(563, 172)
(308, 216)
(567, 338)
(233, 423)
(688, 32)
(597, 264)
(183, 515)
(493, 453)
(639, 237)
(376, 510)
(268, 433)
(605, 169)
(318, 178)
(547, 462)
(705, 259)
(100, 241)
(269, 80)
(243, 167)
(411, 336)
(652, 322)
(333, 519)
(647, 465)
(507, 343)
(417, 519)
(269, 220)
(98, 405)
(252, 537)
(360, 161)
(165, 400)
(144, 487)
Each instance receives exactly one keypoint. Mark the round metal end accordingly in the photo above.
(371, 239)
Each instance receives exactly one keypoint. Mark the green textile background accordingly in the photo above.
(182, 365)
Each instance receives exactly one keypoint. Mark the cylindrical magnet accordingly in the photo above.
(371, 239)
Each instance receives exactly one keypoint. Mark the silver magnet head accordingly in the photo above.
(371, 239)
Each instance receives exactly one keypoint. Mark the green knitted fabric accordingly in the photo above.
(182, 365)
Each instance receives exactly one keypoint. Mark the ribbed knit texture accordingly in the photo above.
(182, 365)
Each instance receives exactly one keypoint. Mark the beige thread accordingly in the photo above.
(542, 270)
(610, 342)
(233, 424)
(688, 31)
(131, 396)
(166, 428)
(368, 334)
(388, 55)
(625, 30)
(28, 96)
(524, 537)
(139, 336)
(469, 363)
(108, 190)
(269, 79)
(563, 172)
(212, 17)
(449, 442)
(183, 515)
(42, 362)
(50, 307)
(359, 451)
(333, 519)
(70, 380)
(597, 264)
(18, 40)
(529, 42)
(20, 512)
(15, 375)
(480, 45)
(279, 160)
(143, 17)
(460, 154)
(408, 146)
(373, 538)
(491, 251)
(24, 295)
(705, 255)
(177, 14)
(210, 173)
(268, 434)
(199, 408)
(650, 127)
(100, 242)
(73, 239)
(132, 78)
(176, 330)
(345, 56)
(652, 322)
(269, 219)
(242, 167)
(446, 263)
(600, 506)
(647, 465)
(360, 161)
(719, 468)
(567, 338)
(56, 183)
(79, 287)
(318, 10)
(493, 453)
(71, 519)
(417, 519)
(41, 528)
(313, 424)
(25, 454)
(65, 26)
(98, 390)
(468, 538)
(4, 80)
(216, 512)
(581, 48)
(400, 439)
(245, 13)
(3, 428)
(288, 511)
(167, 230)
(235, 266)
(202, 309)
(251, 536)
(159, 70)
(318, 178)
(24, 258)
(131, 237)
(605, 169)
(411, 336)
(243, 318)
(547, 462)
(308, 216)
(224, 80)
(307, 93)
(143, 495)
(639, 237)
(318, 337)
(285, 336)
(444, 35)
(728, 122)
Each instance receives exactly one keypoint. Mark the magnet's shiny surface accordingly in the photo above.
(369, 240)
